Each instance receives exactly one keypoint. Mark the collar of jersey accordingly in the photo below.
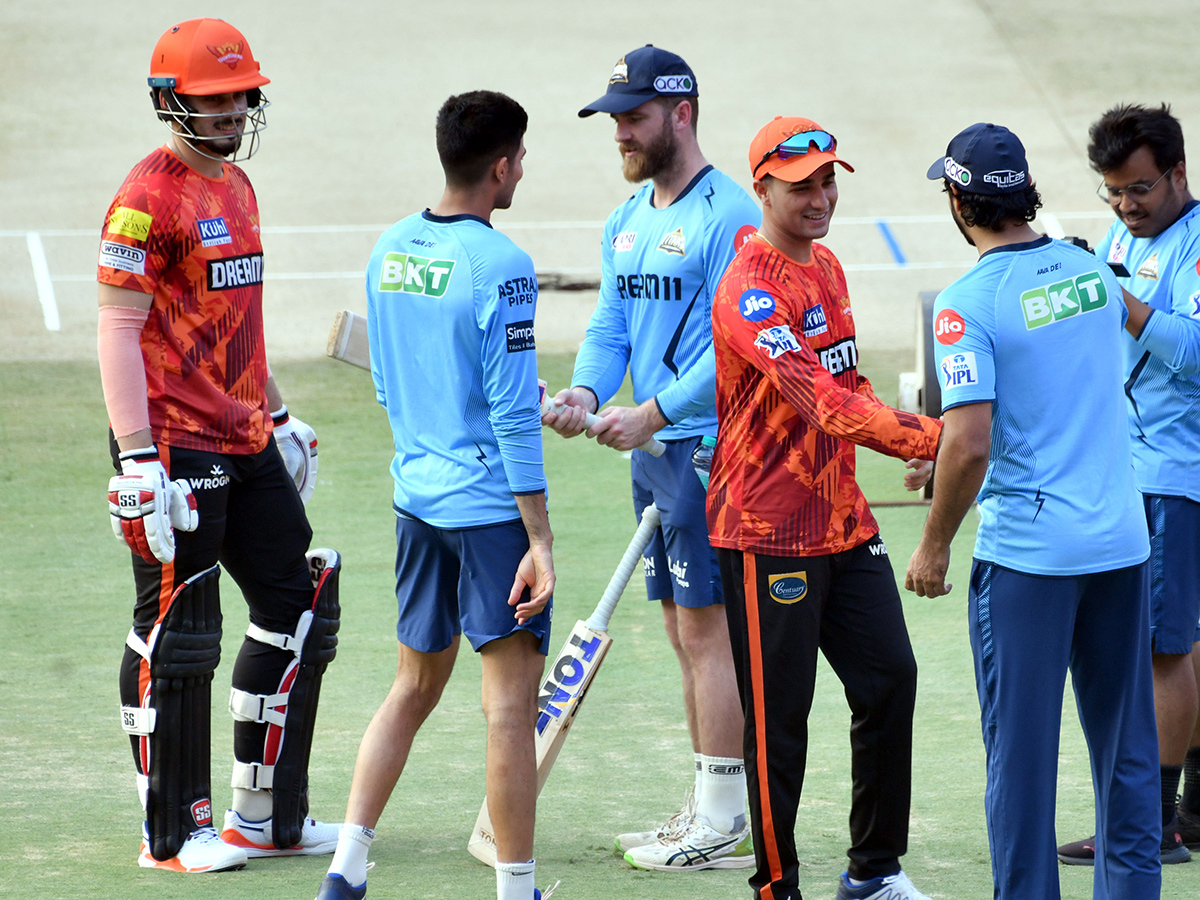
(687, 190)
(460, 217)
(1017, 248)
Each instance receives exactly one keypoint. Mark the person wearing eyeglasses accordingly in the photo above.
(1035, 428)
(802, 564)
(1154, 245)
(662, 254)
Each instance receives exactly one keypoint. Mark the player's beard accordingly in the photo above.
(652, 159)
(226, 144)
(959, 222)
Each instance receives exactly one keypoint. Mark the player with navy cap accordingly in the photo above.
(663, 253)
(1028, 347)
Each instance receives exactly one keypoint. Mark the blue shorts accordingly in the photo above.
(680, 563)
(456, 581)
(1174, 572)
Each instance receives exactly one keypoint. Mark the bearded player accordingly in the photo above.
(192, 409)
(663, 252)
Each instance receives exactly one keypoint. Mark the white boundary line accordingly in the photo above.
(41, 275)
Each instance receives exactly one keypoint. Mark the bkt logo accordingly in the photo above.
(562, 688)
(959, 370)
(949, 327)
(756, 305)
(415, 274)
(213, 232)
(1063, 299)
(674, 84)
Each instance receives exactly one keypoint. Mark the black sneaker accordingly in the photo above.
(1173, 848)
(1078, 853)
(1189, 828)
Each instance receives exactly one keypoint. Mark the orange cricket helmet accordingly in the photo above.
(204, 56)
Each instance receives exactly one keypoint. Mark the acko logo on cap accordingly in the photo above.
(673, 84)
(956, 172)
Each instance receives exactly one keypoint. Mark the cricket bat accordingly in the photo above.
(348, 342)
(568, 679)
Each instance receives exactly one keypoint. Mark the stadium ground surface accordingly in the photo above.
(355, 89)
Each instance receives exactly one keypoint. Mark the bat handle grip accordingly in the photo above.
(654, 446)
(616, 585)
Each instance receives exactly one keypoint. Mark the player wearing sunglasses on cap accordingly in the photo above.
(802, 563)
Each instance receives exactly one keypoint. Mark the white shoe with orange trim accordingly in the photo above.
(316, 838)
(203, 851)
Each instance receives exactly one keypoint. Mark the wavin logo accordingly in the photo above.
(216, 479)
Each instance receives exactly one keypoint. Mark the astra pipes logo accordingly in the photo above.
(230, 54)
(956, 173)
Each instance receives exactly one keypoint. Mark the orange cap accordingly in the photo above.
(765, 161)
(203, 57)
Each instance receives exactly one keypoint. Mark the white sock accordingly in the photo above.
(722, 797)
(514, 881)
(350, 857)
(253, 806)
(699, 776)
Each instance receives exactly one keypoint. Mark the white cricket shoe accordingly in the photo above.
(316, 838)
(677, 823)
(698, 846)
(887, 887)
(203, 851)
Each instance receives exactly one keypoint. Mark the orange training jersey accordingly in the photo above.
(193, 242)
(789, 403)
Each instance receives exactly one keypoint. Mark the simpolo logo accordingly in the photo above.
(788, 588)
(673, 84)
(1063, 299)
(956, 172)
(519, 336)
(415, 274)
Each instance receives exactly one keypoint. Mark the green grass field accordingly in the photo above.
(69, 816)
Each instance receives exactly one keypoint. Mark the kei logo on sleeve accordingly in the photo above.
(756, 305)
(959, 370)
(777, 341)
(949, 327)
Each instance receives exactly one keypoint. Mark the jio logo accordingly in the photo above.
(756, 305)
(948, 328)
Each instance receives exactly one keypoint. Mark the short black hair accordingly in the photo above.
(995, 211)
(1125, 128)
(474, 130)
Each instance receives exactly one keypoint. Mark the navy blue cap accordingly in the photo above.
(984, 159)
(642, 75)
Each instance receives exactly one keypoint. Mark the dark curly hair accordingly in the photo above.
(994, 211)
(1123, 129)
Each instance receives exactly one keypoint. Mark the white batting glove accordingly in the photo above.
(145, 507)
(297, 444)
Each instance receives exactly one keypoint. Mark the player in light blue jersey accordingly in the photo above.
(1155, 244)
(663, 253)
(1028, 348)
(450, 307)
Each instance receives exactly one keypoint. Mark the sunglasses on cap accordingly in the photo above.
(798, 145)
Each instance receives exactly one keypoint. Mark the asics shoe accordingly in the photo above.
(203, 851)
(1189, 828)
(677, 823)
(694, 847)
(886, 887)
(1174, 850)
(316, 838)
(335, 887)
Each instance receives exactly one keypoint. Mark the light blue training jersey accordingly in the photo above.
(1162, 367)
(660, 270)
(1034, 329)
(450, 308)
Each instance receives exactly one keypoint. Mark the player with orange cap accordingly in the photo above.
(802, 564)
(193, 408)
